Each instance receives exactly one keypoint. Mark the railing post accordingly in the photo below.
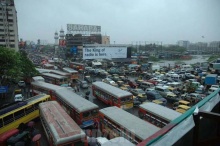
(196, 118)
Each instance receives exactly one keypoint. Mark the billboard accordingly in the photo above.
(83, 28)
(104, 52)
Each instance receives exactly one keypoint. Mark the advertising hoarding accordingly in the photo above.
(81, 27)
(104, 52)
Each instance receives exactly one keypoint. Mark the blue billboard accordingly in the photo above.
(3, 89)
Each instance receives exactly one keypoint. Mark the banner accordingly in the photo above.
(104, 52)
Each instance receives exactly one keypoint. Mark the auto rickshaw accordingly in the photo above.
(182, 108)
(158, 102)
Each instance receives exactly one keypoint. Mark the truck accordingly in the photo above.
(214, 67)
(211, 79)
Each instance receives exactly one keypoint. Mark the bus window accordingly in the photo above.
(29, 109)
(94, 112)
(86, 114)
(1, 123)
(8, 119)
(19, 114)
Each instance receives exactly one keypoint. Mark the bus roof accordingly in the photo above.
(160, 111)
(70, 70)
(53, 75)
(140, 128)
(75, 101)
(116, 92)
(118, 141)
(41, 70)
(60, 72)
(46, 85)
(61, 125)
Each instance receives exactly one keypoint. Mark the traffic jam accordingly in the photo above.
(103, 101)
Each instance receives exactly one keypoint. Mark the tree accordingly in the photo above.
(27, 67)
(14, 66)
(9, 68)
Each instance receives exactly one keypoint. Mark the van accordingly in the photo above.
(163, 91)
(187, 68)
(211, 90)
(145, 85)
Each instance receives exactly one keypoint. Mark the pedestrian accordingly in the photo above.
(75, 88)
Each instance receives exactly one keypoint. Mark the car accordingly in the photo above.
(132, 84)
(136, 102)
(137, 91)
(18, 97)
(107, 80)
(21, 84)
(153, 95)
(84, 85)
(88, 79)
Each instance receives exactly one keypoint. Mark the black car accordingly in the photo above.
(154, 95)
(136, 102)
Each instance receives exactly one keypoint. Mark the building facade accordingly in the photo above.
(8, 24)
(183, 43)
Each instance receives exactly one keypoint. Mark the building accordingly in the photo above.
(183, 43)
(106, 40)
(56, 37)
(8, 24)
(214, 47)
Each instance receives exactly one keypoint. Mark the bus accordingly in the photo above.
(118, 141)
(24, 114)
(116, 122)
(46, 88)
(74, 73)
(76, 65)
(59, 128)
(156, 114)
(12, 106)
(112, 96)
(83, 112)
(54, 79)
(61, 73)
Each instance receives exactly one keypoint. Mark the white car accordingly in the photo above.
(19, 97)
(21, 84)
(212, 89)
(215, 86)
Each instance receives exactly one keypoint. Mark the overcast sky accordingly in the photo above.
(125, 21)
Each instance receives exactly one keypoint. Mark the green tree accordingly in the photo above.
(14, 66)
(27, 67)
(10, 62)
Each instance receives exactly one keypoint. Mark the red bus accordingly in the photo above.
(112, 96)
(58, 126)
(54, 79)
(61, 73)
(46, 88)
(77, 65)
(84, 112)
(74, 73)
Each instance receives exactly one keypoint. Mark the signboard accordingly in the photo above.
(3, 89)
(84, 28)
(104, 52)
(73, 50)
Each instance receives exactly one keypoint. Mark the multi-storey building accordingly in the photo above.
(183, 43)
(8, 24)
